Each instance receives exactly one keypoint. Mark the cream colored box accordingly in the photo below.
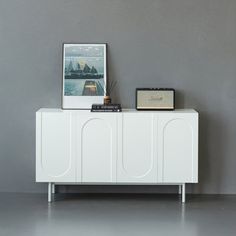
(155, 99)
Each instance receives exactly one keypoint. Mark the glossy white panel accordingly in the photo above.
(136, 158)
(97, 144)
(75, 146)
(55, 160)
(178, 148)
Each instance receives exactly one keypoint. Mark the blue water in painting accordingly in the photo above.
(75, 87)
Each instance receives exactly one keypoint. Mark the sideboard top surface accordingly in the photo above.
(126, 110)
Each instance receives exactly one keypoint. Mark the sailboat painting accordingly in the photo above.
(84, 74)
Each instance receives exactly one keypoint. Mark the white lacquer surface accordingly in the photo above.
(121, 148)
(55, 158)
(96, 147)
(137, 154)
(178, 147)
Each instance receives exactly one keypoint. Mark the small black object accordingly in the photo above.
(106, 108)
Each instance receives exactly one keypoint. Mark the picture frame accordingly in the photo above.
(84, 75)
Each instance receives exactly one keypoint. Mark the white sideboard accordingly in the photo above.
(130, 147)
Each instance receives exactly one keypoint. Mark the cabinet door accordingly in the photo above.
(137, 153)
(178, 147)
(96, 142)
(55, 160)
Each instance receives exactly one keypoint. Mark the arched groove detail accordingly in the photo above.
(151, 157)
(183, 150)
(69, 156)
(96, 150)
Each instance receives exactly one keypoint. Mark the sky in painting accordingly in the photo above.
(92, 55)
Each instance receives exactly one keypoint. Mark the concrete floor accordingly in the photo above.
(30, 214)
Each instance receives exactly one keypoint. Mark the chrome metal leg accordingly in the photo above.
(53, 188)
(180, 189)
(49, 192)
(183, 193)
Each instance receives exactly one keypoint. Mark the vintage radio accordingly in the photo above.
(155, 99)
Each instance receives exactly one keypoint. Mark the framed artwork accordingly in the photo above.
(84, 75)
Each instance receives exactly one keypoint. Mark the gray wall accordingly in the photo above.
(189, 45)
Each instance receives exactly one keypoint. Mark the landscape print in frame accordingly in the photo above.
(84, 75)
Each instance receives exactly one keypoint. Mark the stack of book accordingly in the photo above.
(106, 108)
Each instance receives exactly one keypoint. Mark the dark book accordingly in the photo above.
(106, 108)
